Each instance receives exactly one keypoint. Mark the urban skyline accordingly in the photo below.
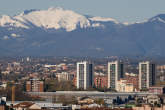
(73, 80)
(82, 55)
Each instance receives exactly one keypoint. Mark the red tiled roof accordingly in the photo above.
(23, 105)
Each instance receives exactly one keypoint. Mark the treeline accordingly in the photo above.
(19, 93)
(53, 85)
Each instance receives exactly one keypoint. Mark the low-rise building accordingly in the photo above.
(156, 90)
(34, 85)
(101, 81)
(124, 86)
(3, 85)
(134, 79)
(64, 76)
(85, 100)
(3, 105)
(26, 106)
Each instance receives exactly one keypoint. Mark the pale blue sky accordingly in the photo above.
(121, 10)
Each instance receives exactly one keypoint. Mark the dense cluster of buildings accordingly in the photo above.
(100, 85)
(85, 75)
(116, 79)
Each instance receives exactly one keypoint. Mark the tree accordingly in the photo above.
(19, 93)
(100, 101)
(53, 85)
(65, 100)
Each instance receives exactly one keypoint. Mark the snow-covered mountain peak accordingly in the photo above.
(35, 32)
(5, 18)
(9, 21)
(55, 18)
(28, 11)
(102, 19)
(159, 18)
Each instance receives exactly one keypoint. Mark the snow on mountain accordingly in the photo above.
(158, 19)
(9, 21)
(161, 16)
(98, 25)
(14, 35)
(33, 32)
(5, 37)
(56, 18)
(132, 23)
(103, 19)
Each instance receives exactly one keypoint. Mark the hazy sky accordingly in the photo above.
(121, 10)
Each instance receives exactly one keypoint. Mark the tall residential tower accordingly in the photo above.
(147, 72)
(115, 72)
(84, 74)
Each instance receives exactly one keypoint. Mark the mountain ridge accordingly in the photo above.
(60, 32)
(58, 18)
